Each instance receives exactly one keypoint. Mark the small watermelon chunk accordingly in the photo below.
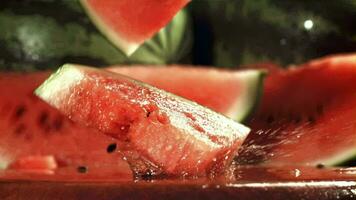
(307, 116)
(230, 92)
(35, 163)
(128, 23)
(157, 132)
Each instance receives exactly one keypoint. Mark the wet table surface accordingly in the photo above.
(241, 183)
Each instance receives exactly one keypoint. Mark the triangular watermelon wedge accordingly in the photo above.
(129, 23)
(157, 132)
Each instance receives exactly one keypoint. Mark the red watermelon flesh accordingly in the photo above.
(230, 92)
(29, 127)
(158, 132)
(128, 23)
(307, 115)
(38, 164)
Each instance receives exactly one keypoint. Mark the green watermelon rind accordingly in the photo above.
(256, 86)
(347, 163)
(342, 159)
(33, 40)
(128, 47)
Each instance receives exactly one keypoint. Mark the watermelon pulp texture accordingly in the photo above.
(30, 127)
(129, 23)
(158, 131)
(307, 115)
(232, 93)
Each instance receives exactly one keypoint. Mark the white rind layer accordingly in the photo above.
(252, 87)
(59, 83)
(128, 47)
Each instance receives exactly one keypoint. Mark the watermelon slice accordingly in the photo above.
(232, 93)
(307, 115)
(128, 23)
(157, 132)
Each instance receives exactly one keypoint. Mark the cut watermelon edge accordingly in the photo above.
(253, 90)
(341, 158)
(127, 47)
(59, 80)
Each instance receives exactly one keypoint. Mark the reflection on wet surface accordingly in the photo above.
(251, 182)
(239, 183)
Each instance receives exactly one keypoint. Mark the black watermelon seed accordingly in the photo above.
(297, 120)
(58, 123)
(311, 119)
(320, 166)
(270, 119)
(43, 118)
(82, 169)
(111, 148)
(20, 129)
(20, 111)
(148, 114)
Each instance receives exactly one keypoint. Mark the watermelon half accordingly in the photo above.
(307, 116)
(157, 132)
(128, 23)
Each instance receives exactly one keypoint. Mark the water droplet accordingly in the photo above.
(349, 170)
(169, 147)
(163, 118)
(297, 172)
